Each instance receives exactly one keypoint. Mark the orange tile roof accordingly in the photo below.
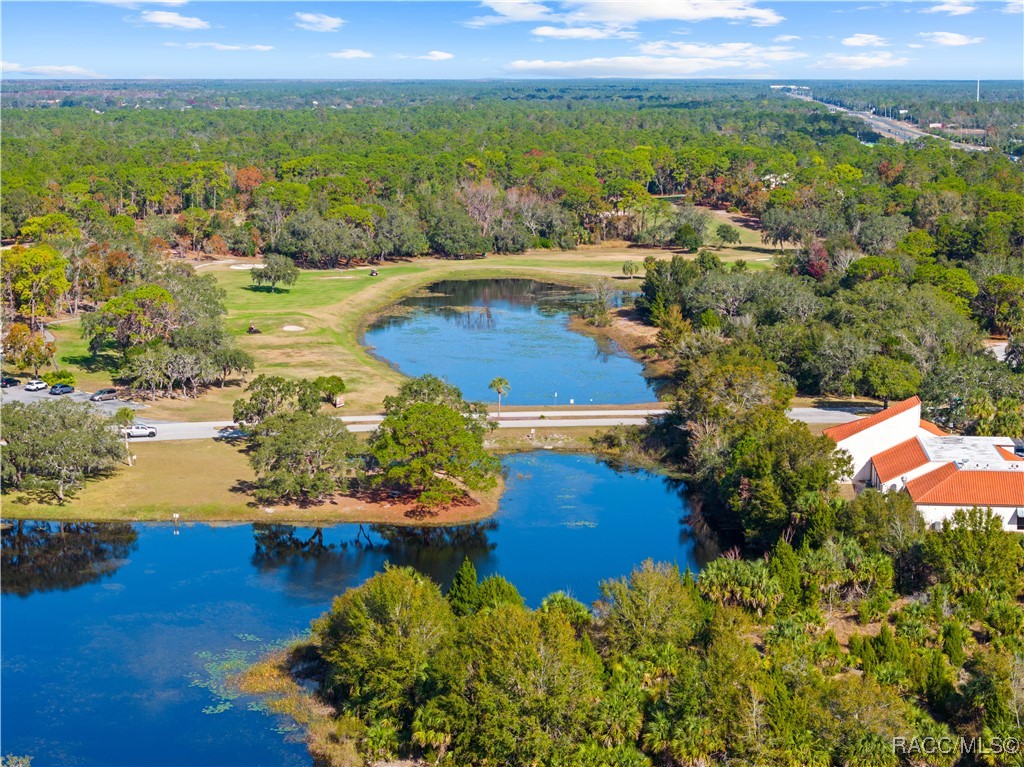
(931, 428)
(1009, 455)
(897, 461)
(950, 486)
(846, 430)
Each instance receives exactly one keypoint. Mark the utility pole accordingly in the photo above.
(977, 94)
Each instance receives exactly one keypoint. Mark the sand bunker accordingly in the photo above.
(247, 267)
(293, 328)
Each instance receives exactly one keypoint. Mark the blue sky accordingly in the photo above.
(904, 39)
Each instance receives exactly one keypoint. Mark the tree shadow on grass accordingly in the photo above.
(101, 362)
(266, 289)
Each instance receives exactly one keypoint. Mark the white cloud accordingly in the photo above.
(134, 4)
(665, 58)
(351, 53)
(624, 66)
(1014, 6)
(436, 56)
(172, 20)
(914, 45)
(731, 54)
(624, 13)
(952, 8)
(861, 40)
(222, 46)
(857, 62)
(950, 38)
(507, 11)
(634, 11)
(786, 38)
(318, 22)
(583, 33)
(56, 71)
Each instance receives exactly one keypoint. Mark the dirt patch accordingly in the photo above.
(635, 336)
(377, 506)
(293, 328)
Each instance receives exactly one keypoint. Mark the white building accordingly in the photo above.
(896, 450)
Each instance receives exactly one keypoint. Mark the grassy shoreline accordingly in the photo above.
(207, 480)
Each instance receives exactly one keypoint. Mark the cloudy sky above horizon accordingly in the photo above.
(439, 39)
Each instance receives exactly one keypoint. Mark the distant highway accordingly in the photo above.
(894, 129)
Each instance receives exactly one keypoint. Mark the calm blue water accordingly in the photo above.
(472, 331)
(104, 629)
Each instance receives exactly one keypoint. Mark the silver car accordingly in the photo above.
(138, 430)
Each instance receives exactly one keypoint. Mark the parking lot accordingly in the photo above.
(18, 394)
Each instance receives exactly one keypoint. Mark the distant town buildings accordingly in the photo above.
(896, 450)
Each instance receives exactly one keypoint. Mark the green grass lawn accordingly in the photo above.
(332, 306)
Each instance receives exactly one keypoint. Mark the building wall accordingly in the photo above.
(934, 514)
(898, 483)
(880, 437)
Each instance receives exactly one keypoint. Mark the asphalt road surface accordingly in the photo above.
(542, 418)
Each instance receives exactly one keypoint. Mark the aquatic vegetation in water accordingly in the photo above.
(220, 708)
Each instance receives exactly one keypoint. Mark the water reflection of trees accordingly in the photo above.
(363, 549)
(47, 556)
(469, 303)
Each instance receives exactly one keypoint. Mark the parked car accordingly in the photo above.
(61, 389)
(103, 394)
(36, 385)
(139, 430)
(7, 381)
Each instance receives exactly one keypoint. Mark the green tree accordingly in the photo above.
(34, 279)
(887, 378)
(431, 390)
(426, 450)
(784, 568)
(687, 238)
(463, 595)
(377, 640)
(230, 359)
(972, 552)
(499, 386)
(727, 235)
(268, 395)
(299, 456)
(26, 350)
(51, 448)
(495, 590)
(630, 268)
(135, 317)
(453, 233)
(651, 608)
(277, 270)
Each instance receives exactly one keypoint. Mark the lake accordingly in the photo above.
(472, 331)
(116, 637)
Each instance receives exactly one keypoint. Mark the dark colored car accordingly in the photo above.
(103, 394)
(61, 389)
(7, 382)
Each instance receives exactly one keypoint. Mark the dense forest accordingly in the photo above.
(741, 665)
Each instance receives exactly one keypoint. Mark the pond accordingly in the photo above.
(116, 637)
(473, 331)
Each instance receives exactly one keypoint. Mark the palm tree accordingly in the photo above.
(500, 386)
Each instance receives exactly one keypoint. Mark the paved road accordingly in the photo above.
(892, 128)
(546, 418)
(167, 430)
